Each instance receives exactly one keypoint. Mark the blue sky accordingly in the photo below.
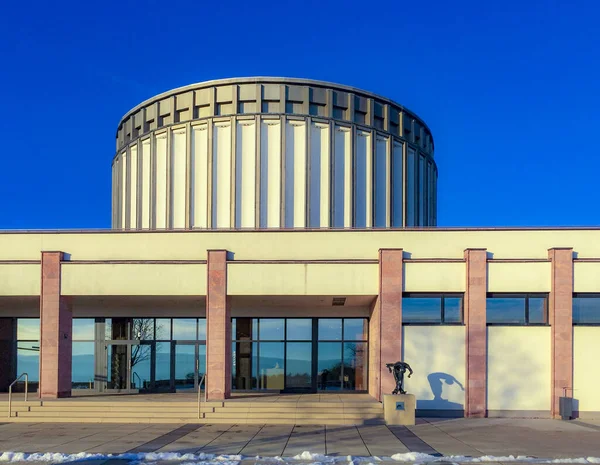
(511, 91)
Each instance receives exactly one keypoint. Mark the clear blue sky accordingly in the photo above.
(510, 89)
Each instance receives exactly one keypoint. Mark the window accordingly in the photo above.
(432, 308)
(517, 309)
(28, 347)
(586, 309)
(82, 363)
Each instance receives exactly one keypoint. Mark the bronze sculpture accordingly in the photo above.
(398, 369)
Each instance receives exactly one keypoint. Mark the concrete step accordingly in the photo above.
(118, 404)
(298, 414)
(307, 404)
(113, 408)
(284, 410)
(82, 414)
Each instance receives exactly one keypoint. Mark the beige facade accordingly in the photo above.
(298, 274)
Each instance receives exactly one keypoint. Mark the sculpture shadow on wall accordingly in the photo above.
(437, 381)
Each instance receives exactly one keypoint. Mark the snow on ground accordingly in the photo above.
(151, 458)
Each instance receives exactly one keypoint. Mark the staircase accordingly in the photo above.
(230, 411)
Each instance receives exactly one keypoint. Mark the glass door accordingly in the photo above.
(189, 360)
(299, 349)
(141, 363)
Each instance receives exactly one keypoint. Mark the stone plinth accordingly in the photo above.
(399, 409)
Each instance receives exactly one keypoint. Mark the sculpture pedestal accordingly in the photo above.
(399, 409)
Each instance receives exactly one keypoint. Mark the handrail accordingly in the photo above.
(10, 391)
(133, 375)
(202, 380)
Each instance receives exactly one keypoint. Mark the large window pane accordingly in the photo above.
(244, 368)
(163, 329)
(422, 190)
(244, 328)
(506, 310)
(355, 329)
(299, 329)
(397, 185)
(140, 366)
(202, 329)
(271, 329)
(28, 359)
(380, 185)
(82, 368)
(184, 329)
(422, 309)
(330, 329)
(28, 329)
(162, 366)
(271, 365)
(537, 310)
(329, 366)
(142, 329)
(298, 365)
(185, 366)
(586, 310)
(452, 309)
(83, 329)
(355, 366)
(411, 174)
(118, 329)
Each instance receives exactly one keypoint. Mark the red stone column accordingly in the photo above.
(385, 337)
(560, 312)
(218, 328)
(56, 326)
(476, 333)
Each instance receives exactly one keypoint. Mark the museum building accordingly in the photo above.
(279, 235)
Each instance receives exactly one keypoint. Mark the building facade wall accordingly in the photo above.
(298, 274)
(436, 355)
(518, 370)
(262, 153)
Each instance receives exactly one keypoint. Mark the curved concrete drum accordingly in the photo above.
(255, 153)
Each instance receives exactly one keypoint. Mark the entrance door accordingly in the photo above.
(121, 357)
(299, 355)
(299, 367)
(189, 361)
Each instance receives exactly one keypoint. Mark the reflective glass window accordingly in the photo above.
(244, 369)
(380, 182)
(355, 329)
(271, 329)
(537, 310)
(162, 365)
(28, 329)
(84, 329)
(453, 307)
(411, 174)
(184, 329)
(329, 366)
(330, 329)
(142, 329)
(163, 329)
(355, 366)
(397, 185)
(244, 328)
(299, 329)
(422, 309)
(509, 310)
(586, 309)
(82, 367)
(28, 359)
(202, 329)
(422, 191)
(271, 363)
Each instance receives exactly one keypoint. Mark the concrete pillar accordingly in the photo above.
(218, 328)
(8, 352)
(385, 332)
(560, 312)
(56, 325)
(476, 333)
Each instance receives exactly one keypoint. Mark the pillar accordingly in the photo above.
(560, 312)
(218, 328)
(385, 325)
(476, 333)
(56, 325)
(8, 352)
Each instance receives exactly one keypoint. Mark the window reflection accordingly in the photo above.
(271, 329)
(329, 366)
(330, 329)
(586, 309)
(271, 365)
(82, 368)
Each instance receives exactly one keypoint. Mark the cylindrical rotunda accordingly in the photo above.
(255, 153)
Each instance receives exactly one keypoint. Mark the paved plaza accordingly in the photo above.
(545, 439)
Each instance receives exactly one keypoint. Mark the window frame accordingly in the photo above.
(526, 296)
(584, 295)
(442, 296)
